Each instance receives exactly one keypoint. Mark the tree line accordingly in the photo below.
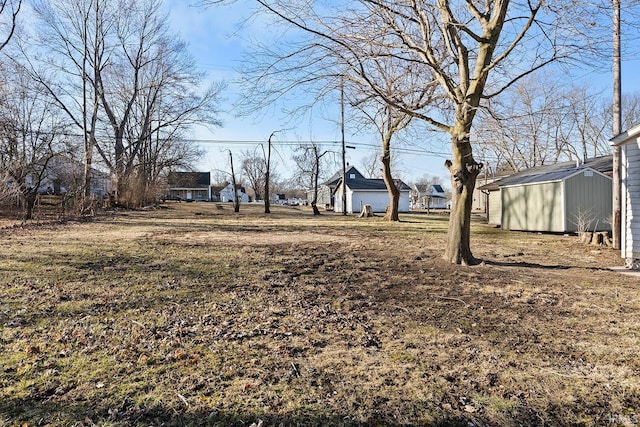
(97, 86)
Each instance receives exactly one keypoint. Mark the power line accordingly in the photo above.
(402, 150)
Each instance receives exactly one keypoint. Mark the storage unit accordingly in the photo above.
(576, 199)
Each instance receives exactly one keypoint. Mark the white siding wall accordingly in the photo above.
(630, 220)
(403, 203)
(495, 208)
(379, 200)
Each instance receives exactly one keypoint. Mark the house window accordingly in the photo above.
(352, 176)
(588, 173)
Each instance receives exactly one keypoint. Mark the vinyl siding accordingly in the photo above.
(495, 208)
(535, 207)
(630, 221)
(379, 200)
(588, 195)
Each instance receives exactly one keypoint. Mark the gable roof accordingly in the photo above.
(553, 176)
(555, 172)
(429, 189)
(372, 184)
(359, 182)
(335, 179)
(189, 179)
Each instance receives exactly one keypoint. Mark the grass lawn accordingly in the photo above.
(194, 315)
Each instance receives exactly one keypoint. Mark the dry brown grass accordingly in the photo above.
(194, 315)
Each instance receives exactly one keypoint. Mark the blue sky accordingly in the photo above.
(214, 40)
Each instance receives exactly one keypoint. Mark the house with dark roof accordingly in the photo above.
(362, 191)
(428, 196)
(564, 197)
(189, 186)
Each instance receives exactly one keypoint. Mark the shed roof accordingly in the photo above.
(555, 172)
(553, 176)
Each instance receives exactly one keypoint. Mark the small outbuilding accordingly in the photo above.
(560, 198)
(363, 191)
(629, 144)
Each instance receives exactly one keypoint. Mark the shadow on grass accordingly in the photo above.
(522, 264)
(32, 412)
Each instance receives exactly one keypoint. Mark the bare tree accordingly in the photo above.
(393, 80)
(30, 136)
(530, 125)
(128, 84)
(309, 161)
(9, 10)
(473, 50)
(71, 47)
(254, 168)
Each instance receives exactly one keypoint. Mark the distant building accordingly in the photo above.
(65, 175)
(226, 194)
(362, 191)
(326, 191)
(428, 196)
(189, 186)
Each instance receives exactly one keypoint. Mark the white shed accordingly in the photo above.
(629, 144)
(364, 191)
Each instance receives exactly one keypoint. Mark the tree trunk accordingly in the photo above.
(464, 171)
(316, 173)
(392, 188)
(29, 204)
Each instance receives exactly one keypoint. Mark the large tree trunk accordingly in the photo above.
(464, 171)
(392, 188)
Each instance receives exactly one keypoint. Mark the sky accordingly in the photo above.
(218, 43)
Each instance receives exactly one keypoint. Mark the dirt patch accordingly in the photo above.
(248, 239)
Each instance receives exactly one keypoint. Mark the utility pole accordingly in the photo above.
(344, 161)
(267, 203)
(617, 127)
(236, 202)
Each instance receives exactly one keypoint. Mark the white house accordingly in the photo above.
(362, 191)
(226, 194)
(429, 196)
(629, 145)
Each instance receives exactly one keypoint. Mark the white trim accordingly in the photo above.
(563, 185)
(623, 137)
